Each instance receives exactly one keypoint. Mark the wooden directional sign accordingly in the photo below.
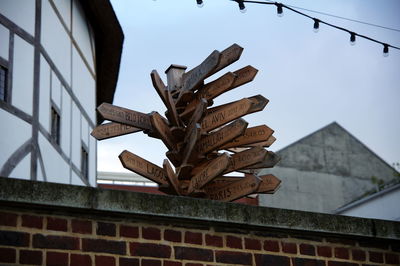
(110, 130)
(162, 129)
(270, 160)
(269, 141)
(213, 169)
(125, 116)
(174, 117)
(229, 56)
(172, 178)
(142, 167)
(245, 158)
(244, 75)
(258, 104)
(220, 137)
(225, 115)
(269, 184)
(196, 76)
(238, 189)
(159, 85)
(196, 117)
(251, 135)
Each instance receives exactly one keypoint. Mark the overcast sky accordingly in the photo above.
(311, 79)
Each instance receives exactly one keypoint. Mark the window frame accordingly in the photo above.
(55, 136)
(84, 161)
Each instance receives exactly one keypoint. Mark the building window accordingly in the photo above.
(84, 163)
(55, 126)
(3, 83)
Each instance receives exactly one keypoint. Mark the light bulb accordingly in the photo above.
(352, 38)
(279, 9)
(243, 10)
(200, 3)
(385, 50)
(242, 7)
(316, 25)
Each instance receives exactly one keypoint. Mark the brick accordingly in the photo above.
(151, 262)
(32, 221)
(289, 247)
(307, 249)
(55, 242)
(358, 254)
(271, 245)
(16, 239)
(30, 257)
(106, 229)
(199, 254)
(151, 233)
(324, 251)
(128, 262)
(266, 259)
(104, 261)
(8, 219)
(7, 255)
(193, 264)
(234, 242)
(376, 257)
(391, 258)
(81, 226)
(129, 231)
(57, 224)
(56, 259)
(81, 260)
(104, 246)
(215, 241)
(340, 263)
(253, 244)
(341, 253)
(172, 235)
(193, 238)
(150, 250)
(233, 257)
(307, 262)
(172, 263)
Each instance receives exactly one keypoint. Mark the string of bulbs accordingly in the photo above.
(317, 22)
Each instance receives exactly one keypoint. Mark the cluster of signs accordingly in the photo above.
(195, 133)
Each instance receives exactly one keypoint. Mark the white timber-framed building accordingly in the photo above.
(59, 59)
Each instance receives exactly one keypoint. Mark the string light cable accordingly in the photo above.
(280, 7)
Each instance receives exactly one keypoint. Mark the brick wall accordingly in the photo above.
(47, 230)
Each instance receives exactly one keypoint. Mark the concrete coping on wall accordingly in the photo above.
(132, 205)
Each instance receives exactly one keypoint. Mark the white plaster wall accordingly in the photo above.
(56, 41)
(12, 137)
(76, 136)
(76, 180)
(57, 170)
(21, 12)
(85, 131)
(56, 90)
(80, 32)
(4, 40)
(92, 160)
(84, 86)
(64, 8)
(66, 122)
(23, 169)
(22, 90)
(44, 100)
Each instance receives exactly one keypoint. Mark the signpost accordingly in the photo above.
(195, 134)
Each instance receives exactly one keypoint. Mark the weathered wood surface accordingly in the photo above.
(189, 153)
(143, 167)
(245, 159)
(220, 137)
(159, 85)
(258, 103)
(229, 56)
(269, 184)
(247, 185)
(172, 178)
(251, 135)
(125, 116)
(270, 160)
(212, 170)
(111, 130)
(196, 117)
(257, 144)
(163, 131)
(173, 114)
(244, 75)
(225, 115)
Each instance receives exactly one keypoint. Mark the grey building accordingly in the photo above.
(324, 171)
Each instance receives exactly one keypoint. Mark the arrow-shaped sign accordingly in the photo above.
(143, 167)
(172, 178)
(258, 104)
(245, 158)
(125, 116)
(270, 160)
(163, 131)
(250, 136)
(269, 184)
(229, 56)
(110, 130)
